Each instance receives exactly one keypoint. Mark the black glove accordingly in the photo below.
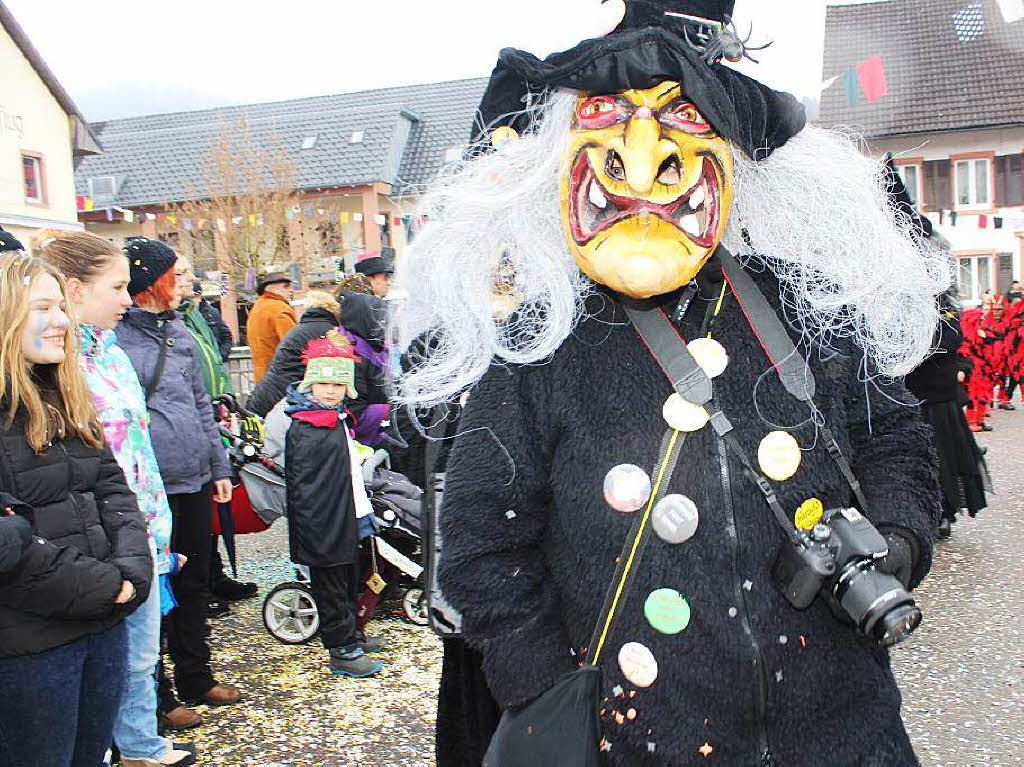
(900, 559)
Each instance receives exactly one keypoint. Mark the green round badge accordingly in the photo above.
(667, 611)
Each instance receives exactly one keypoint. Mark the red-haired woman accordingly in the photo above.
(192, 461)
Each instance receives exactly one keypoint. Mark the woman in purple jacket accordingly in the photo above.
(189, 451)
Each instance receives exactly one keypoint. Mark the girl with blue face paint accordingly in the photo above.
(76, 558)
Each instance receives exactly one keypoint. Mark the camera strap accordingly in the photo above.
(689, 380)
(792, 369)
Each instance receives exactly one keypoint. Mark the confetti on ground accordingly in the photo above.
(294, 713)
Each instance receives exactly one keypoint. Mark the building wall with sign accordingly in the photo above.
(37, 183)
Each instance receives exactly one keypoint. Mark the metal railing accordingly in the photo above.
(240, 371)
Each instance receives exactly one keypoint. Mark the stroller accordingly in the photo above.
(390, 535)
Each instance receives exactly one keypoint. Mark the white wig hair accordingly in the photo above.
(815, 212)
(493, 211)
(848, 261)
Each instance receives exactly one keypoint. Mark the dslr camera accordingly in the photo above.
(838, 558)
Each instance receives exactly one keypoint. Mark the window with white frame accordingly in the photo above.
(911, 175)
(974, 277)
(973, 182)
(32, 172)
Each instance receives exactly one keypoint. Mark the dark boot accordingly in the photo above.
(945, 528)
(352, 661)
(370, 644)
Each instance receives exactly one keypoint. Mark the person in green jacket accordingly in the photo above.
(215, 374)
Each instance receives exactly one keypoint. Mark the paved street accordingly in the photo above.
(962, 675)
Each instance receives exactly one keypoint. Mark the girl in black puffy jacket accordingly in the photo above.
(76, 557)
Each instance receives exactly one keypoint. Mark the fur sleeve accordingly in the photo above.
(894, 458)
(494, 520)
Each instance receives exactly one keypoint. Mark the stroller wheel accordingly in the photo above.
(290, 614)
(414, 606)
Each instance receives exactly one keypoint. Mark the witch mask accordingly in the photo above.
(646, 189)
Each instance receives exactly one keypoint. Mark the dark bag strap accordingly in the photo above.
(633, 549)
(161, 360)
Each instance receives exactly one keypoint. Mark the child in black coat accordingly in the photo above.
(323, 530)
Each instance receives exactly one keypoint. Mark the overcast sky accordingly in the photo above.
(124, 57)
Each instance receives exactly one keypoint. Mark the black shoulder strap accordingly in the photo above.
(161, 360)
(689, 380)
(793, 370)
(669, 350)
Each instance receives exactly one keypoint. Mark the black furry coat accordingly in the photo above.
(749, 669)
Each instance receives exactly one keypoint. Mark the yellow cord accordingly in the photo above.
(636, 543)
(718, 306)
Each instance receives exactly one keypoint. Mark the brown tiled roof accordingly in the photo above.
(935, 82)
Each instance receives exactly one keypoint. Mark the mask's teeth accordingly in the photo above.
(690, 224)
(596, 196)
(698, 197)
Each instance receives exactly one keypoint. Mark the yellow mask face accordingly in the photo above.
(646, 189)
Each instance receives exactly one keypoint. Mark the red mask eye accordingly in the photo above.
(598, 112)
(686, 117)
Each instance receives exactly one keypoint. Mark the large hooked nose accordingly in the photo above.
(644, 151)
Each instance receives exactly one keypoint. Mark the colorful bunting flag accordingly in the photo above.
(252, 219)
(357, 216)
(110, 214)
(982, 221)
(188, 224)
(343, 217)
(171, 218)
(129, 216)
(221, 225)
(871, 76)
(852, 87)
(997, 222)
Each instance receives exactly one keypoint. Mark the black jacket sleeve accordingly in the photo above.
(15, 537)
(494, 519)
(285, 368)
(894, 458)
(220, 329)
(125, 528)
(52, 581)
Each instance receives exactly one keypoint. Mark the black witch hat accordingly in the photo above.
(657, 40)
(8, 242)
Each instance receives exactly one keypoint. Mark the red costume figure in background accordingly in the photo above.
(984, 345)
(1012, 353)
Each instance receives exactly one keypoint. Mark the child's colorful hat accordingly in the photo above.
(330, 359)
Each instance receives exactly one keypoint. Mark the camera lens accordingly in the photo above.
(897, 625)
(877, 603)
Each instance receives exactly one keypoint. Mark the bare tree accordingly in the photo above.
(239, 218)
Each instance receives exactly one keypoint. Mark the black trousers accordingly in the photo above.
(186, 624)
(336, 591)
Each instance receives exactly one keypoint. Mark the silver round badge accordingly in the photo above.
(627, 487)
(675, 518)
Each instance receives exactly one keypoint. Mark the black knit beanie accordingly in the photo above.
(148, 261)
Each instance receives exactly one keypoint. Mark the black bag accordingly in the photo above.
(560, 727)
